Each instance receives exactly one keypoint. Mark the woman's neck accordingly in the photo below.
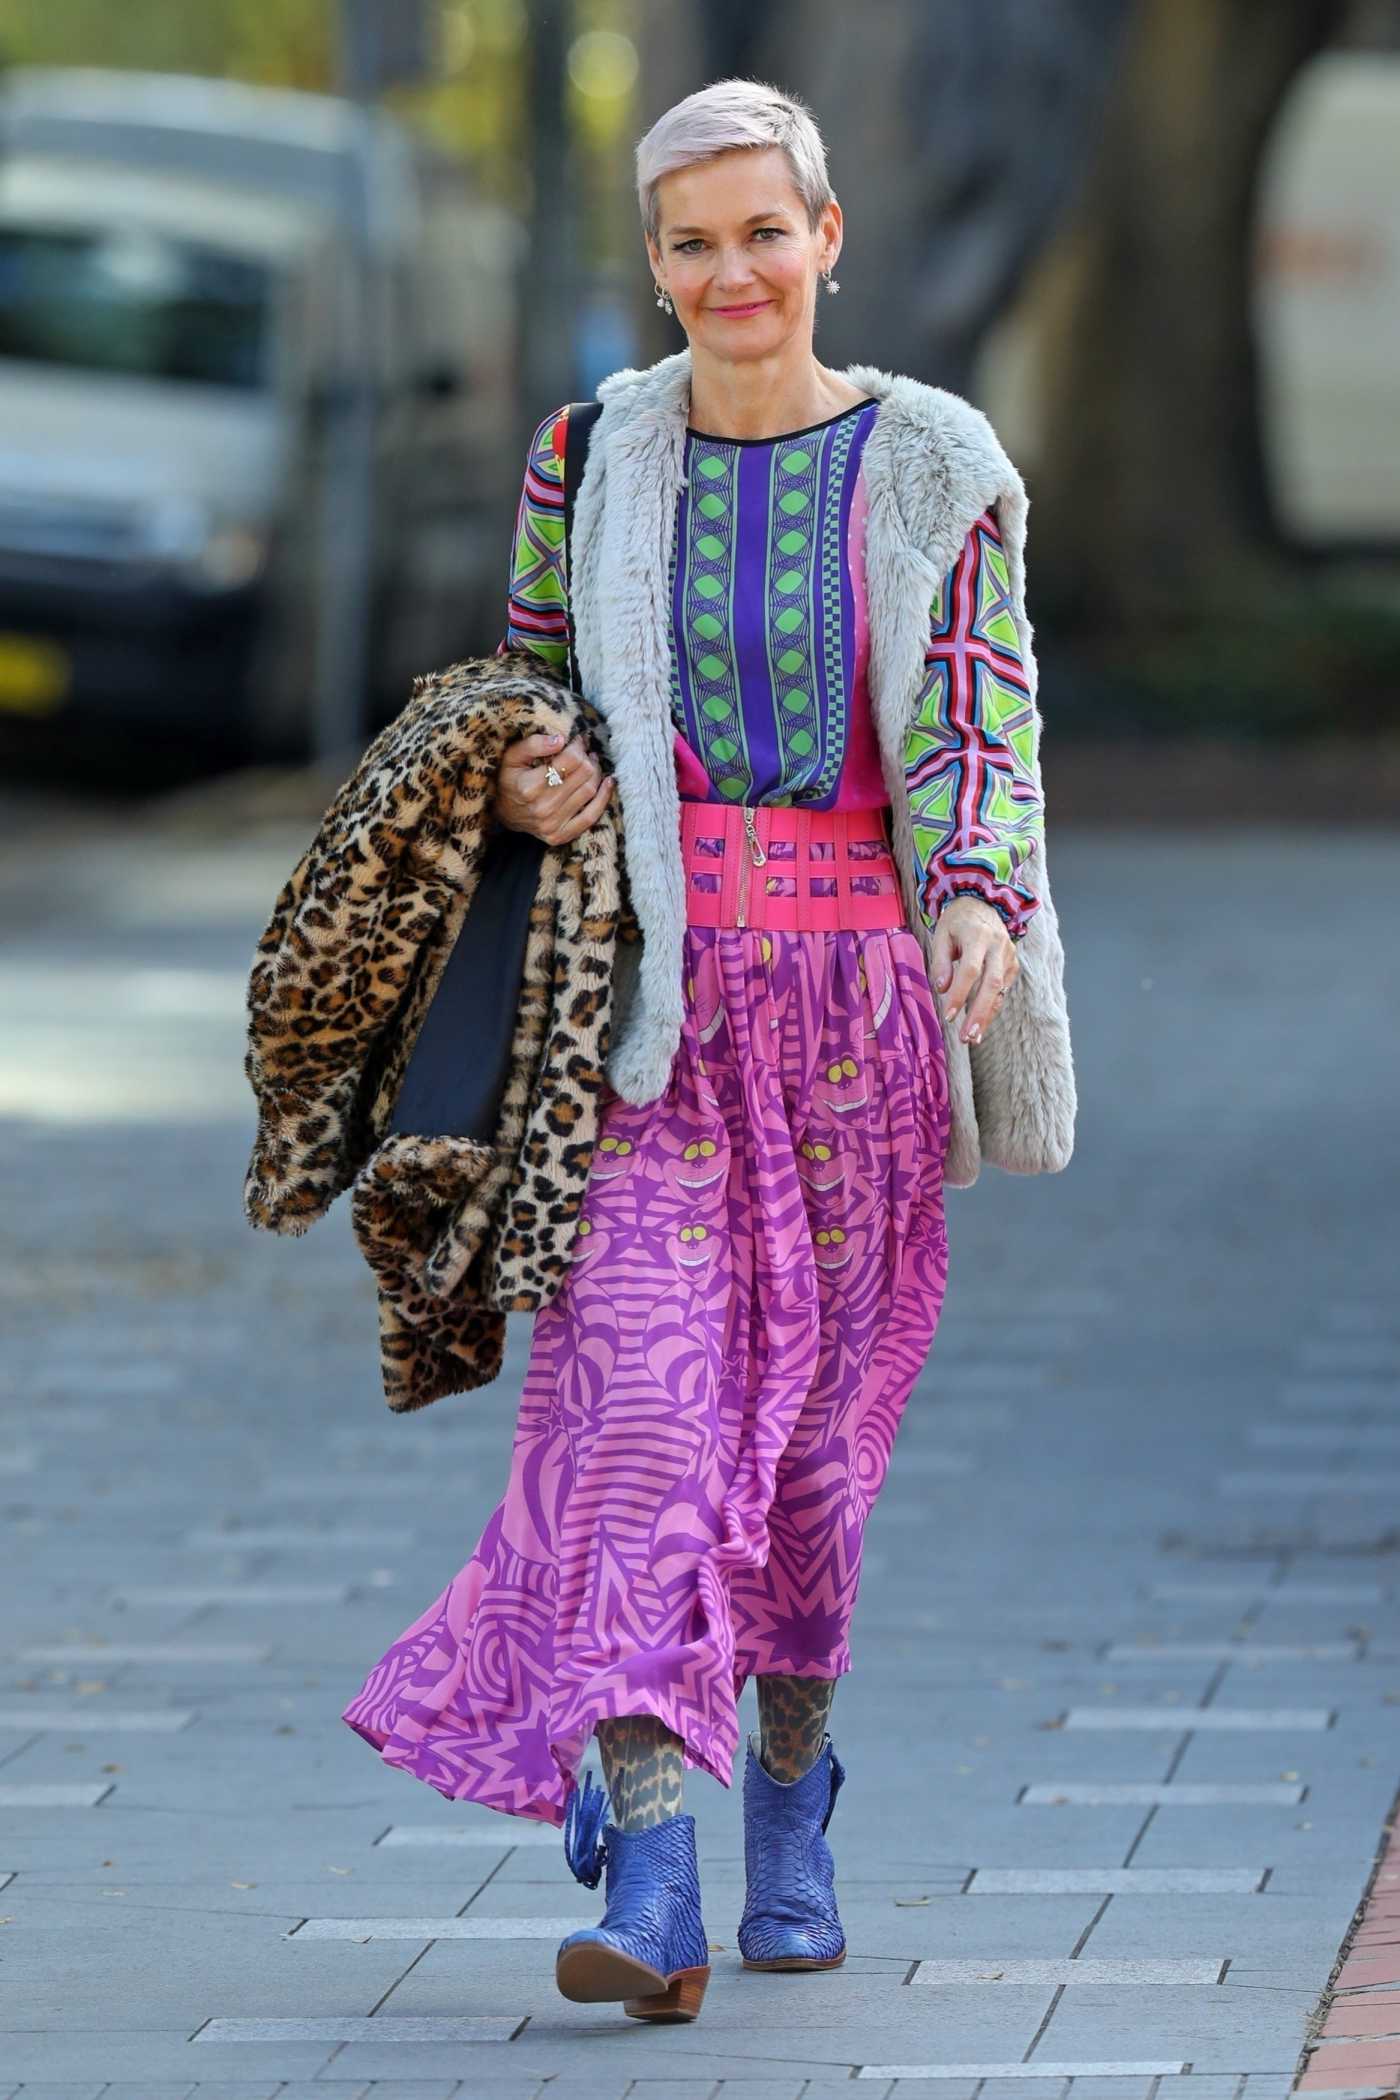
(758, 399)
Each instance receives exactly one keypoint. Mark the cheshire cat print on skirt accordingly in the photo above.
(712, 1395)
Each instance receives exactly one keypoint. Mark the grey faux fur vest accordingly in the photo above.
(933, 463)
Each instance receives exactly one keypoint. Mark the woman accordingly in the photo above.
(825, 740)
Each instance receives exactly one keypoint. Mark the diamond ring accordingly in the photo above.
(553, 775)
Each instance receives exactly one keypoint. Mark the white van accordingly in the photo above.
(253, 439)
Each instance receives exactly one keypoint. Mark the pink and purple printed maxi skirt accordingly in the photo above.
(713, 1394)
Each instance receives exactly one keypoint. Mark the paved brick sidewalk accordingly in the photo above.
(1124, 1729)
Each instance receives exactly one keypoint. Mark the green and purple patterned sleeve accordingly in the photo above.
(969, 758)
(537, 600)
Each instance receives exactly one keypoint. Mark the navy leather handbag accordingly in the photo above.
(457, 1073)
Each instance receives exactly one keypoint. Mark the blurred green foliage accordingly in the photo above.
(474, 103)
(1322, 663)
(291, 44)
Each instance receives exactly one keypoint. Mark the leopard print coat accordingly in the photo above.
(457, 1233)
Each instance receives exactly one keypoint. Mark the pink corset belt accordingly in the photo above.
(790, 868)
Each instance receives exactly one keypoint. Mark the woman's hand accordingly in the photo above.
(974, 963)
(525, 801)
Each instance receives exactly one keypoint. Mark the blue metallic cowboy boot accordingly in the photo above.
(790, 1918)
(650, 1949)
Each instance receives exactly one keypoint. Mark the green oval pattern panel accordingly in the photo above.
(773, 561)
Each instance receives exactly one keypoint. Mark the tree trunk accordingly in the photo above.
(1151, 496)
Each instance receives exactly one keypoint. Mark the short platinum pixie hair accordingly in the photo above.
(716, 119)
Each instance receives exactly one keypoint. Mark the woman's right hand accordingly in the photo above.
(526, 802)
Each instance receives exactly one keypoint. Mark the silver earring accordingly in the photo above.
(663, 297)
(830, 281)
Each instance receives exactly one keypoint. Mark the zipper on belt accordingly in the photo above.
(755, 857)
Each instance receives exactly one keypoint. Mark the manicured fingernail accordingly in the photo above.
(974, 1033)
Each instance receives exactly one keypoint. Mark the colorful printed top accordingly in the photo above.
(770, 651)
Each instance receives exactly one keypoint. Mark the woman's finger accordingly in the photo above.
(986, 1003)
(966, 972)
(527, 749)
(580, 786)
(587, 817)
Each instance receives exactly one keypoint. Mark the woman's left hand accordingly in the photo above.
(974, 963)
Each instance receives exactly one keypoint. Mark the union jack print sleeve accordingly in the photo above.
(969, 760)
(537, 600)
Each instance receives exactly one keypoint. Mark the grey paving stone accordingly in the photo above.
(1268, 1592)
(1138, 2068)
(1370, 1355)
(1233, 1651)
(1014, 2088)
(1352, 1390)
(293, 1538)
(450, 1928)
(150, 1652)
(349, 1487)
(1212, 1718)
(160, 2092)
(69, 2092)
(145, 2056)
(462, 2027)
(1176, 1794)
(1227, 2030)
(1119, 2089)
(74, 2092)
(840, 2089)
(249, 1593)
(1324, 1436)
(1268, 1928)
(933, 1464)
(674, 2089)
(105, 1720)
(514, 1833)
(1117, 1881)
(1206, 2087)
(1246, 1480)
(41, 1793)
(1079, 1971)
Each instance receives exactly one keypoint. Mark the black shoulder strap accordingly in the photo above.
(582, 416)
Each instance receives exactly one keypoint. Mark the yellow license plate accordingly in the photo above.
(35, 676)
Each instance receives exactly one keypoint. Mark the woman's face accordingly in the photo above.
(736, 252)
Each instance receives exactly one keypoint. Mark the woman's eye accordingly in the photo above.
(681, 246)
